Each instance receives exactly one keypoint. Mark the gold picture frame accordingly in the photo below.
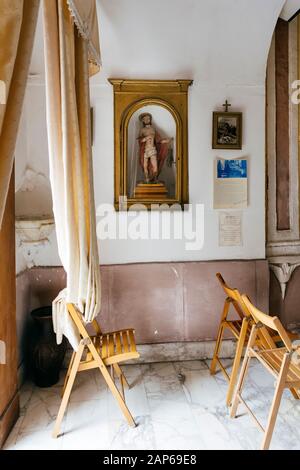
(169, 99)
(227, 130)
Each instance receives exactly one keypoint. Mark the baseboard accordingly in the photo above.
(294, 327)
(180, 351)
(9, 418)
(183, 351)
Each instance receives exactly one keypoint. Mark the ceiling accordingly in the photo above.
(213, 42)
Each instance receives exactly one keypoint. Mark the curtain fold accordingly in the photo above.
(84, 13)
(18, 20)
(71, 173)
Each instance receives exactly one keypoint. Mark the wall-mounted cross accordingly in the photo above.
(226, 106)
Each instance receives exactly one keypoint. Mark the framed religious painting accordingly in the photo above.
(151, 142)
(227, 130)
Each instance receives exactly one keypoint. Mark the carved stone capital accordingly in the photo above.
(283, 272)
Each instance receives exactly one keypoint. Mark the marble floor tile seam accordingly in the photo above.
(168, 422)
(215, 412)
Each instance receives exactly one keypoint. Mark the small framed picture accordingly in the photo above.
(227, 130)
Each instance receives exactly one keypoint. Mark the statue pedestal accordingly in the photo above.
(148, 191)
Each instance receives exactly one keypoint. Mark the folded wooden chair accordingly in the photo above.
(99, 351)
(240, 328)
(282, 362)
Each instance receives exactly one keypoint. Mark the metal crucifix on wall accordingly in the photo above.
(226, 106)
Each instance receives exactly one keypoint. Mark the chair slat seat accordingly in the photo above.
(125, 341)
(235, 326)
(116, 346)
(276, 357)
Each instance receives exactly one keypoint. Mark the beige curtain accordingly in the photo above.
(68, 124)
(17, 27)
(84, 13)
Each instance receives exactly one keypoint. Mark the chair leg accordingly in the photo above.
(118, 397)
(243, 373)
(114, 390)
(68, 390)
(295, 393)
(122, 379)
(114, 371)
(214, 361)
(240, 385)
(68, 373)
(121, 375)
(219, 338)
(276, 402)
(237, 360)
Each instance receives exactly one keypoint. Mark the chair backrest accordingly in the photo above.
(242, 308)
(234, 295)
(272, 323)
(78, 320)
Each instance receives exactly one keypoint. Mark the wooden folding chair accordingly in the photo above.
(99, 351)
(278, 361)
(240, 328)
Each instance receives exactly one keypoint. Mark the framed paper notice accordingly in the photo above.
(231, 183)
(230, 228)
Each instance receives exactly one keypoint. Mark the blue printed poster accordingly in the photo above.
(232, 168)
(231, 183)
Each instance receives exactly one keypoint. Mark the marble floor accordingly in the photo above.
(177, 405)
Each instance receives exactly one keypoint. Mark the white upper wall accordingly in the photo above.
(220, 44)
(214, 42)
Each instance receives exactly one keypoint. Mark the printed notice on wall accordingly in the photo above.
(230, 228)
(231, 183)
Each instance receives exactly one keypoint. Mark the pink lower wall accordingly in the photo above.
(164, 302)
